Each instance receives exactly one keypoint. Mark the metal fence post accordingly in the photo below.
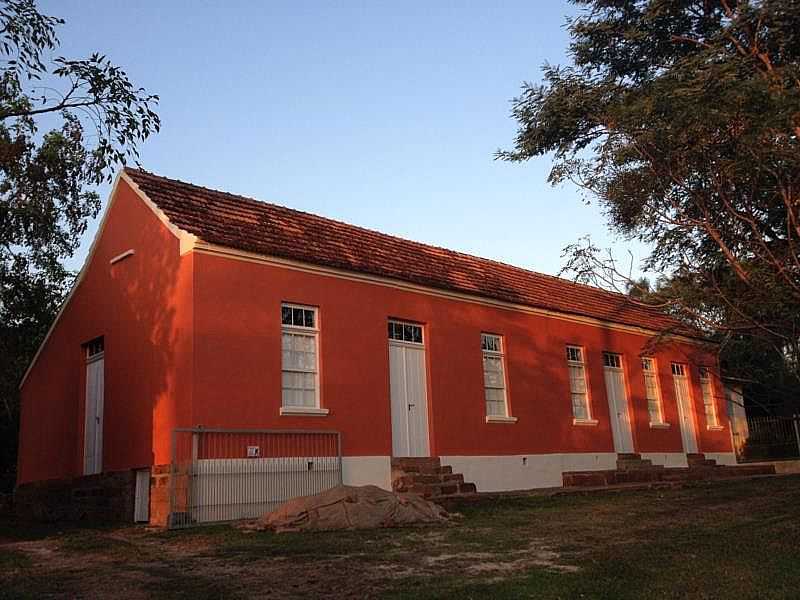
(339, 451)
(795, 420)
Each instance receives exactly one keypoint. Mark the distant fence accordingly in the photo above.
(228, 474)
(771, 437)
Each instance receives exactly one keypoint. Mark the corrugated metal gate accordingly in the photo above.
(228, 474)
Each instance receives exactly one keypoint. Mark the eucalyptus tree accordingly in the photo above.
(681, 118)
(65, 126)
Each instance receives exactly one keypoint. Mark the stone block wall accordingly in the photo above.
(101, 498)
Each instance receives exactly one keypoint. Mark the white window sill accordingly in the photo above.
(715, 428)
(303, 411)
(585, 422)
(500, 419)
(659, 425)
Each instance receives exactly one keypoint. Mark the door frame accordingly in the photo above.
(625, 399)
(690, 401)
(426, 384)
(93, 352)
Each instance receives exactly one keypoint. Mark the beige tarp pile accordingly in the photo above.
(349, 507)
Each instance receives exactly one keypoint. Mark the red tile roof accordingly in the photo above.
(246, 224)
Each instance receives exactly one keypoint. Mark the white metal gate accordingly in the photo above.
(229, 474)
(409, 395)
(617, 403)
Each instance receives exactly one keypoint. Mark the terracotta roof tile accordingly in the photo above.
(246, 224)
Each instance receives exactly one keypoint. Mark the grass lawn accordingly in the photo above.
(718, 540)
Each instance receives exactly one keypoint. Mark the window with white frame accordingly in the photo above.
(611, 360)
(494, 375)
(577, 383)
(708, 397)
(405, 332)
(652, 391)
(299, 345)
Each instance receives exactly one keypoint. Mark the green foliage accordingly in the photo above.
(65, 125)
(682, 117)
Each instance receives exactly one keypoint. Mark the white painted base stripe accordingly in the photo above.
(367, 470)
(525, 471)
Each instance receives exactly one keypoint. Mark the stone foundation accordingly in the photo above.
(105, 497)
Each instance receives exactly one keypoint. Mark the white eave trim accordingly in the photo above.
(186, 240)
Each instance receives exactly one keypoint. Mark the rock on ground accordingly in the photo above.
(351, 507)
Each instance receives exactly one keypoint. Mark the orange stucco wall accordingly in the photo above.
(142, 306)
(195, 340)
(238, 364)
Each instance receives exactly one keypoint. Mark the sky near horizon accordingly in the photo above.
(384, 115)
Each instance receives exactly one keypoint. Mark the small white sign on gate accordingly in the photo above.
(253, 451)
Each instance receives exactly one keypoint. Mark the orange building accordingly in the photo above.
(200, 308)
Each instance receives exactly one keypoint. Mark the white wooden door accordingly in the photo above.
(617, 403)
(93, 430)
(685, 413)
(141, 505)
(409, 397)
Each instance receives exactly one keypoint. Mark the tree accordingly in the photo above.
(682, 118)
(65, 125)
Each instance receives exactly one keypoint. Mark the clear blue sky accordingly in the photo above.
(381, 114)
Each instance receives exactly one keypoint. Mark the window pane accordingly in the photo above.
(493, 372)
(286, 315)
(579, 409)
(308, 320)
(652, 409)
(418, 335)
(574, 354)
(297, 316)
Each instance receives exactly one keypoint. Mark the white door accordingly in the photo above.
(141, 503)
(93, 430)
(617, 403)
(408, 390)
(684, 400)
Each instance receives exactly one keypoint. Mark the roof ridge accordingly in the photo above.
(263, 203)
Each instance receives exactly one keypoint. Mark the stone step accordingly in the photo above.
(423, 469)
(656, 474)
(407, 480)
(629, 456)
(426, 465)
(428, 478)
(637, 464)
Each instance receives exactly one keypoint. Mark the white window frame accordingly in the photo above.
(581, 362)
(405, 327)
(709, 402)
(312, 332)
(498, 353)
(652, 372)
